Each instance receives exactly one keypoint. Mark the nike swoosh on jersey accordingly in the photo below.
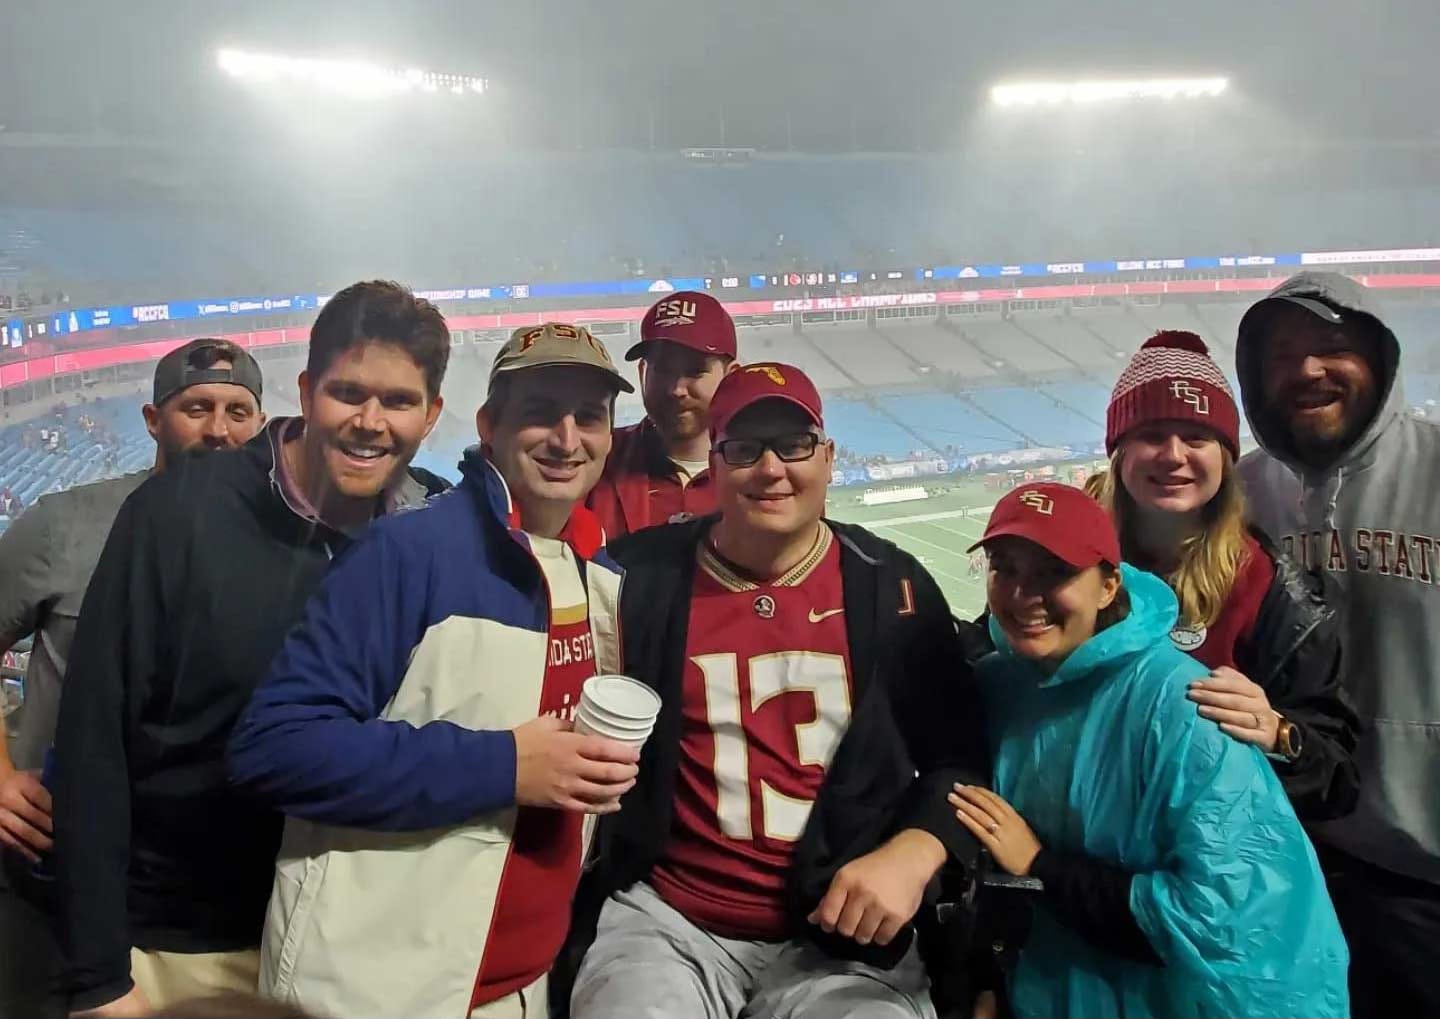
(819, 617)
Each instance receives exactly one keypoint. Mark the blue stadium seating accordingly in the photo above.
(1088, 398)
(1038, 416)
(946, 420)
(857, 426)
(31, 473)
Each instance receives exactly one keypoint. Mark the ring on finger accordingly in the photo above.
(992, 827)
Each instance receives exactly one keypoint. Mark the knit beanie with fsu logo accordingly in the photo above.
(1173, 378)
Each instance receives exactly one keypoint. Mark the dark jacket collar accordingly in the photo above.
(262, 459)
(408, 494)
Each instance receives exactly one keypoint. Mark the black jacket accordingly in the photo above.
(204, 572)
(1293, 652)
(915, 709)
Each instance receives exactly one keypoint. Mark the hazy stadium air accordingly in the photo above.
(135, 170)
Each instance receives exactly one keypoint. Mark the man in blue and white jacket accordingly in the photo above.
(415, 728)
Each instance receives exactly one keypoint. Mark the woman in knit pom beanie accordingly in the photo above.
(1246, 610)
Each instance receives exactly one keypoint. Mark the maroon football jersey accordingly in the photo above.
(672, 501)
(767, 697)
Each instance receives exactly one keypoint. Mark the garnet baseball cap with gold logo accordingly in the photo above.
(767, 380)
(1061, 519)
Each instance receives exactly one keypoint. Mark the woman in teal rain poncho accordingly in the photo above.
(1177, 880)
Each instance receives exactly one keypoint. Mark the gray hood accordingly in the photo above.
(1368, 525)
(1327, 290)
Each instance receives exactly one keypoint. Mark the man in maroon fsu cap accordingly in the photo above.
(815, 703)
(658, 470)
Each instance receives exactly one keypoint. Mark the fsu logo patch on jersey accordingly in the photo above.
(765, 607)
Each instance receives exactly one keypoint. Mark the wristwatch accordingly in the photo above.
(1289, 741)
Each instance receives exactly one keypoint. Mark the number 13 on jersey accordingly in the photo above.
(823, 677)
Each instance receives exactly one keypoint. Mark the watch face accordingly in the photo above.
(1290, 735)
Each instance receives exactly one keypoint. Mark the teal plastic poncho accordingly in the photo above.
(1107, 757)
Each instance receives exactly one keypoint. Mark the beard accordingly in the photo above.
(681, 423)
(1323, 441)
(176, 451)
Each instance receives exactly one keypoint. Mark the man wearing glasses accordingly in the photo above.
(776, 848)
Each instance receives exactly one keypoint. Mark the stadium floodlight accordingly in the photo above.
(351, 78)
(1099, 91)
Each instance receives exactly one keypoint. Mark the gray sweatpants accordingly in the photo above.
(649, 962)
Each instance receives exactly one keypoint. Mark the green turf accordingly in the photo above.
(937, 531)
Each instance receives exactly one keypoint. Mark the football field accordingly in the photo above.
(936, 531)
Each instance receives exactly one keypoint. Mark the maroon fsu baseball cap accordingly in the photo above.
(768, 380)
(691, 319)
(1061, 519)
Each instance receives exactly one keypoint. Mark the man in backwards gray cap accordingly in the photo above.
(206, 396)
(1346, 480)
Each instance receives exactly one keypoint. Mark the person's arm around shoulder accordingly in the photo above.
(1286, 696)
(26, 592)
(312, 742)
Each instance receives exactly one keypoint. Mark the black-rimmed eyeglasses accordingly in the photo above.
(789, 448)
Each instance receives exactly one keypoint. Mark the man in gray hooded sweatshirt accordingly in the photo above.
(1349, 482)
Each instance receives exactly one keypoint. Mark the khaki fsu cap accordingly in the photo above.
(556, 343)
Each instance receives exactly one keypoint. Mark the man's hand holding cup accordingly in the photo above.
(586, 767)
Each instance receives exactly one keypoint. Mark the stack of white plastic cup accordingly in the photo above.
(618, 708)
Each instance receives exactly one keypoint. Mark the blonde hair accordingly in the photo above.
(1207, 563)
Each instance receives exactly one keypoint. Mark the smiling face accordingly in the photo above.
(549, 434)
(1171, 466)
(1046, 607)
(365, 417)
(676, 384)
(1321, 380)
(214, 415)
(772, 496)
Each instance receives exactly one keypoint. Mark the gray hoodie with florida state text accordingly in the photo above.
(1370, 525)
